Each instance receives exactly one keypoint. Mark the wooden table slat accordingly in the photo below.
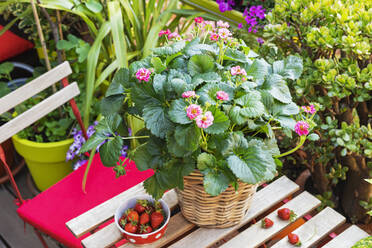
(110, 234)
(347, 238)
(255, 235)
(315, 229)
(263, 200)
(99, 214)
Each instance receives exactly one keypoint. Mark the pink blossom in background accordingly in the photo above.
(188, 94)
(199, 19)
(204, 121)
(143, 74)
(240, 25)
(214, 36)
(222, 95)
(309, 109)
(211, 24)
(224, 33)
(236, 70)
(193, 111)
(223, 24)
(173, 35)
(164, 32)
(302, 128)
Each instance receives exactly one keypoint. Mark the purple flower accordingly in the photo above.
(123, 151)
(79, 163)
(129, 132)
(260, 40)
(224, 6)
(69, 156)
(240, 25)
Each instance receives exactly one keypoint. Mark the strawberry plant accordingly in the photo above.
(208, 103)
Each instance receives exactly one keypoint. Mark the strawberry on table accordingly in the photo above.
(294, 239)
(286, 214)
(267, 223)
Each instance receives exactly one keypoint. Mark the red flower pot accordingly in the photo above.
(147, 238)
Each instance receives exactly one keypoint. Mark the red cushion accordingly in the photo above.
(50, 210)
(12, 45)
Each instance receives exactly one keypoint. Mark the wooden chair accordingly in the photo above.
(50, 210)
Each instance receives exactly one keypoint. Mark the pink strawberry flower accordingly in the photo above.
(193, 111)
(309, 109)
(199, 19)
(143, 74)
(188, 94)
(164, 32)
(224, 33)
(211, 24)
(302, 128)
(214, 36)
(204, 121)
(173, 35)
(222, 95)
(236, 70)
(223, 24)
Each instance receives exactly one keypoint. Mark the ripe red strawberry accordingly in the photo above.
(266, 223)
(145, 229)
(294, 239)
(140, 206)
(132, 215)
(156, 219)
(144, 218)
(130, 227)
(123, 221)
(286, 214)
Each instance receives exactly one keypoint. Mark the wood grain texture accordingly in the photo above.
(38, 111)
(255, 235)
(263, 200)
(35, 86)
(347, 238)
(315, 229)
(178, 225)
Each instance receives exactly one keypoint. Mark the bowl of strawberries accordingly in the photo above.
(142, 220)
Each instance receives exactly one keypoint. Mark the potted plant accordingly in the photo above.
(211, 109)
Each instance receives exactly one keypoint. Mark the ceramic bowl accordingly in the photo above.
(147, 238)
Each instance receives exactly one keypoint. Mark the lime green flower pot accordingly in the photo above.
(46, 161)
(211, 7)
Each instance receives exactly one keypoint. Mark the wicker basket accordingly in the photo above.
(224, 210)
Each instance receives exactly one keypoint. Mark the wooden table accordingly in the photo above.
(183, 234)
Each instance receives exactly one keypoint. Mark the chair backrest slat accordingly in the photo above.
(38, 111)
(35, 86)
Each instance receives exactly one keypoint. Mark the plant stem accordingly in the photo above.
(91, 156)
(302, 141)
(135, 137)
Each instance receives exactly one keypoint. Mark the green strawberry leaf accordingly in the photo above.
(258, 69)
(215, 183)
(177, 112)
(110, 151)
(111, 105)
(252, 164)
(158, 65)
(153, 188)
(200, 63)
(170, 50)
(278, 88)
(220, 123)
(252, 105)
(159, 83)
(206, 160)
(156, 120)
(187, 136)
